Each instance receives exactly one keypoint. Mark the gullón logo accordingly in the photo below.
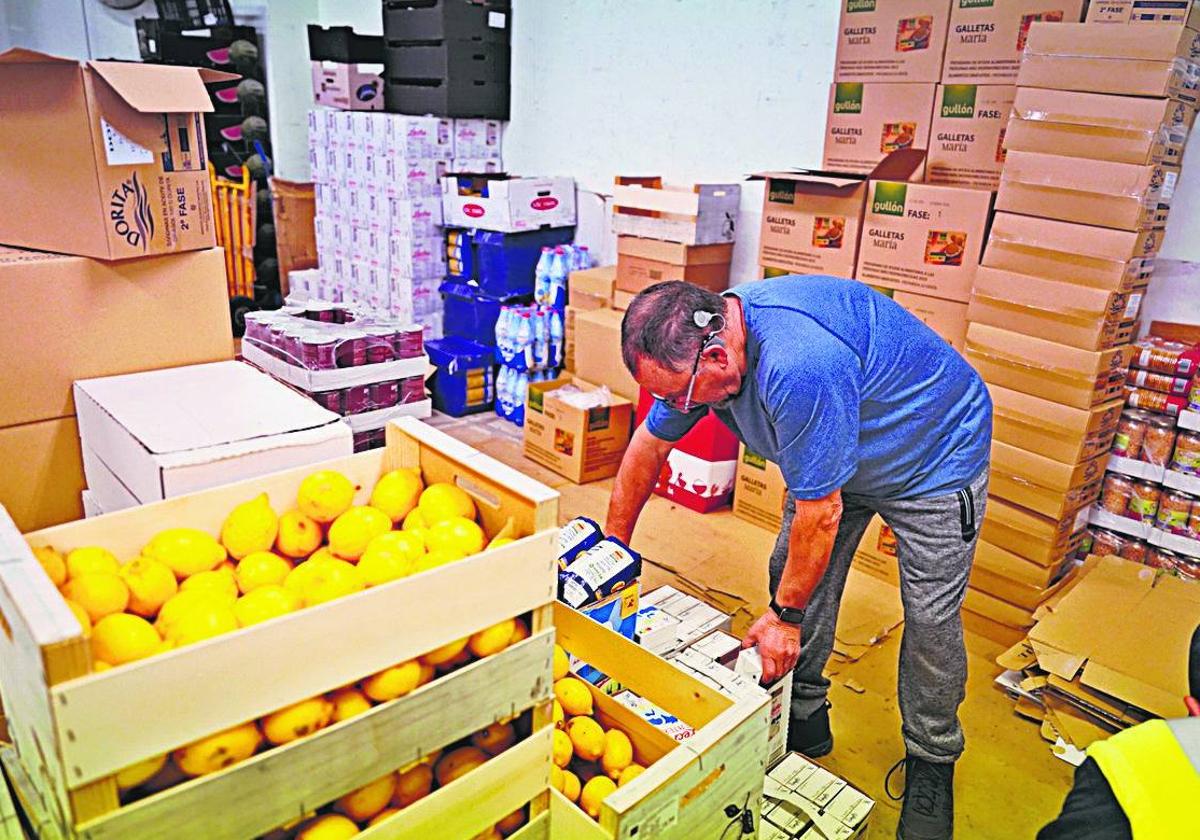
(753, 459)
(847, 98)
(958, 101)
(780, 191)
(129, 212)
(976, 4)
(860, 6)
(889, 198)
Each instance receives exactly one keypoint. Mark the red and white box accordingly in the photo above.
(699, 473)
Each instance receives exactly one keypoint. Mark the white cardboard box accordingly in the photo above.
(511, 205)
(477, 139)
(168, 432)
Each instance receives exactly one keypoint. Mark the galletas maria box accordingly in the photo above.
(966, 142)
(987, 37)
(867, 122)
(891, 40)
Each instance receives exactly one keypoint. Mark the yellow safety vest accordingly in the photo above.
(1154, 771)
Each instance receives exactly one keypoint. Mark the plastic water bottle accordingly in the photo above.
(556, 339)
(524, 349)
(519, 401)
(502, 392)
(502, 337)
(585, 258)
(558, 279)
(541, 276)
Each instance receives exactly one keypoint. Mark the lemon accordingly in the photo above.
(414, 521)
(186, 551)
(203, 621)
(299, 535)
(99, 593)
(629, 774)
(495, 739)
(121, 638)
(443, 654)
(428, 672)
(303, 572)
(512, 822)
(557, 717)
(325, 495)
(327, 827)
(594, 793)
(396, 493)
(81, 616)
(563, 748)
(571, 786)
(562, 662)
(151, 582)
(520, 631)
(442, 501)
(492, 640)
(492, 833)
(413, 784)
(264, 603)
(618, 753)
(362, 804)
(382, 815)
(499, 541)
(587, 737)
(208, 755)
(297, 720)
(327, 580)
(82, 561)
(457, 763)
(574, 695)
(390, 556)
(348, 702)
(322, 553)
(250, 527)
(183, 603)
(53, 564)
(438, 558)
(556, 777)
(261, 568)
(352, 532)
(138, 774)
(220, 582)
(393, 682)
(456, 533)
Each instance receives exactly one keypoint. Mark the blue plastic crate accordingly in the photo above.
(501, 263)
(471, 314)
(465, 381)
(460, 254)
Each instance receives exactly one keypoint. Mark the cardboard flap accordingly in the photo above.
(155, 88)
(20, 55)
(209, 75)
(898, 165)
(837, 180)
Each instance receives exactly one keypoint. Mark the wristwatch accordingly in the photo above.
(788, 615)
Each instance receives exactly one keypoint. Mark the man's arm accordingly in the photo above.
(810, 542)
(635, 482)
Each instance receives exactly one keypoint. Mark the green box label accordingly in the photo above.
(599, 419)
(753, 459)
(781, 191)
(976, 4)
(853, 6)
(847, 98)
(889, 198)
(537, 401)
(958, 101)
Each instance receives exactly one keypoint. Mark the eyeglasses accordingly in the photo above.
(686, 405)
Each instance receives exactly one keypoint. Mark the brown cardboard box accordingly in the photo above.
(1090, 319)
(1132, 61)
(892, 41)
(104, 159)
(1145, 11)
(622, 299)
(922, 238)
(1041, 540)
(1116, 195)
(945, 317)
(592, 288)
(966, 143)
(1018, 594)
(600, 332)
(1042, 485)
(759, 490)
(877, 553)
(997, 609)
(569, 339)
(1003, 563)
(1046, 369)
(1098, 126)
(812, 219)
(994, 631)
(42, 478)
(643, 262)
(580, 444)
(1100, 258)
(87, 318)
(986, 38)
(867, 122)
(1065, 434)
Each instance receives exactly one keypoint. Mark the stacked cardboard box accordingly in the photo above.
(1084, 195)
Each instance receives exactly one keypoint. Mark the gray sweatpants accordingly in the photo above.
(936, 545)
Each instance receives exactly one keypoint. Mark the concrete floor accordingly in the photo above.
(1008, 784)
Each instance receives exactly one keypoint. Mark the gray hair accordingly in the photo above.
(660, 325)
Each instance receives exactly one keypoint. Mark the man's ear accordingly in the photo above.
(718, 353)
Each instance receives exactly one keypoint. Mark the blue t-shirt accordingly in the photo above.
(844, 388)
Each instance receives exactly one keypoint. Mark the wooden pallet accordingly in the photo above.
(73, 730)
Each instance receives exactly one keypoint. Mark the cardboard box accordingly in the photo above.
(987, 36)
(592, 288)
(692, 214)
(1041, 484)
(643, 262)
(86, 318)
(117, 146)
(923, 239)
(1144, 11)
(811, 219)
(867, 122)
(1018, 593)
(507, 204)
(1067, 375)
(997, 609)
(945, 317)
(893, 41)
(156, 435)
(1065, 434)
(1097, 126)
(1099, 258)
(657, 630)
(1000, 562)
(477, 140)
(796, 789)
(349, 87)
(580, 444)
(878, 553)
(600, 332)
(1090, 319)
(966, 142)
(1030, 535)
(759, 491)
(42, 478)
(701, 466)
(1132, 61)
(622, 299)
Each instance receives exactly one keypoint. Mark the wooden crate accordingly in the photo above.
(73, 730)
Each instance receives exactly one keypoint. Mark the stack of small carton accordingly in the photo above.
(1099, 120)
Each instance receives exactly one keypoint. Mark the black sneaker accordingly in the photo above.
(811, 736)
(928, 812)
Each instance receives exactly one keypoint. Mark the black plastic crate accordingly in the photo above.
(196, 13)
(448, 60)
(343, 45)
(163, 42)
(417, 21)
(448, 97)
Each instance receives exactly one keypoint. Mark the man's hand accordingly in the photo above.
(778, 645)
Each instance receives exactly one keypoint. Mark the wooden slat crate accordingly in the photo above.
(73, 730)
